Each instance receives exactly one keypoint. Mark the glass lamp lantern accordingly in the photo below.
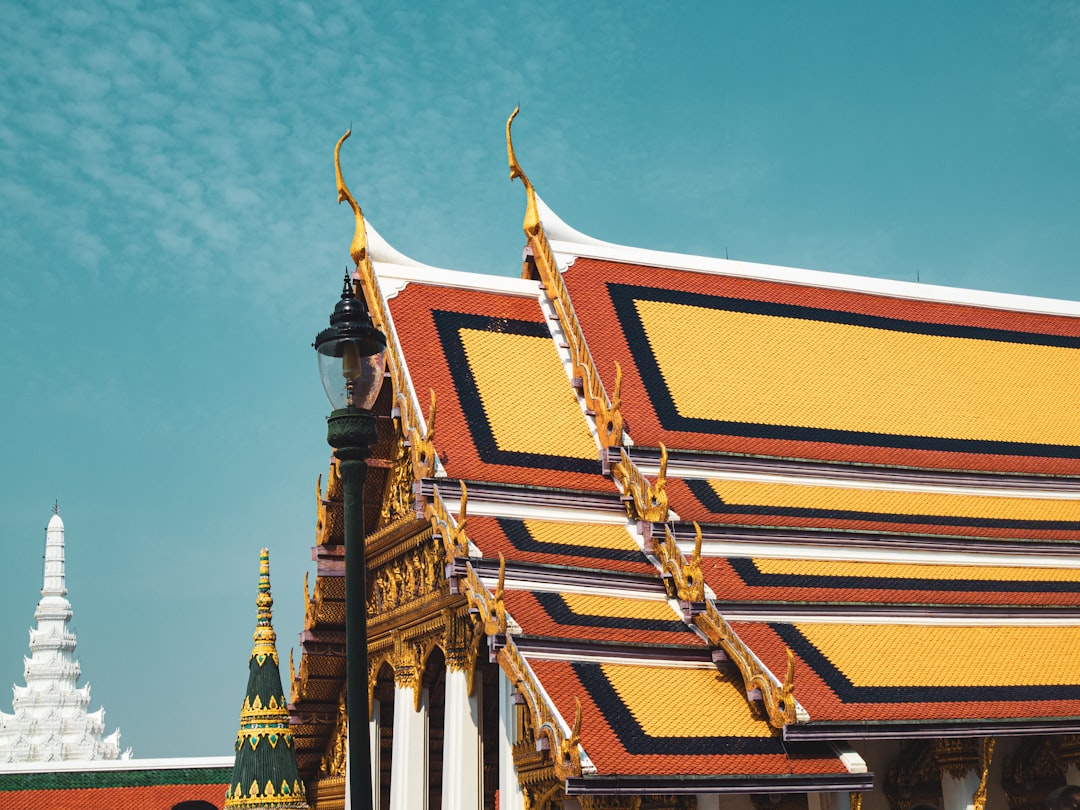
(352, 354)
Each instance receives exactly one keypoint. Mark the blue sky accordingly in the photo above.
(170, 243)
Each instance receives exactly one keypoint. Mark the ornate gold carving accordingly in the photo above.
(855, 801)
(414, 575)
(644, 501)
(422, 447)
(915, 778)
(292, 677)
(682, 577)
(397, 499)
(608, 416)
(777, 698)
(986, 754)
(1068, 750)
(1034, 768)
(265, 639)
(496, 622)
(956, 757)
(452, 532)
(334, 491)
(330, 523)
(333, 761)
(545, 722)
(309, 606)
(408, 661)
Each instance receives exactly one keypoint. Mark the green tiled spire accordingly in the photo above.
(264, 774)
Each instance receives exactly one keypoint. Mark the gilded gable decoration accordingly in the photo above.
(778, 699)
(1032, 770)
(986, 754)
(646, 502)
(682, 577)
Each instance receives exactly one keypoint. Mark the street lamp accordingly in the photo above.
(352, 354)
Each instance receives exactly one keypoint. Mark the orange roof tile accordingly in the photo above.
(507, 411)
(923, 672)
(660, 720)
(599, 618)
(808, 372)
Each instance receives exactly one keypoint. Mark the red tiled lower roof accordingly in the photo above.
(555, 616)
(619, 733)
(945, 691)
(152, 797)
(514, 540)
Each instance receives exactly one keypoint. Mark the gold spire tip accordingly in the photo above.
(265, 639)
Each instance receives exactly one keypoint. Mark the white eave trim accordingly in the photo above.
(569, 244)
(394, 269)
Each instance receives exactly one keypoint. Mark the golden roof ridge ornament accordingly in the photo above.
(358, 248)
(607, 415)
(531, 223)
(404, 400)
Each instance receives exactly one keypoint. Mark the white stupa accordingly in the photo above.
(51, 722)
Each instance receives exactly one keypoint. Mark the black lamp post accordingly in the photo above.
(352, 354)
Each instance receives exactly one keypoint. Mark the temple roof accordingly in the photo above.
(713, 514)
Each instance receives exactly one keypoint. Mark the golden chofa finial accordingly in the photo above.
(265, 638)
(358, 248)
(532, 212)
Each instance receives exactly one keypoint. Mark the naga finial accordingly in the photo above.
(358, 248)
(532, 212)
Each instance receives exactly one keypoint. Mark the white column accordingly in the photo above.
(376, 752)
(510, 795)
(461, 772)
(1072, 774)
(959, 794)
(711, 801)
(409, 762)
(373, 730)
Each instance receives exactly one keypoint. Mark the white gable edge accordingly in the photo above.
(394, 269)
(573, 245)
(394, 278)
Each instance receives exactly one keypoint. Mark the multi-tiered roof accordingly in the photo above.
(744, 510)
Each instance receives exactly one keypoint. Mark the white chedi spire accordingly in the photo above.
(51, 722)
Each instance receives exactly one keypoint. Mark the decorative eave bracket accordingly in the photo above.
(489, 609)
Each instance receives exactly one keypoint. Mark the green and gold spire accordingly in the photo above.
(264, 773)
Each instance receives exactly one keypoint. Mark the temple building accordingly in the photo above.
(657, 530)
(52, 721)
